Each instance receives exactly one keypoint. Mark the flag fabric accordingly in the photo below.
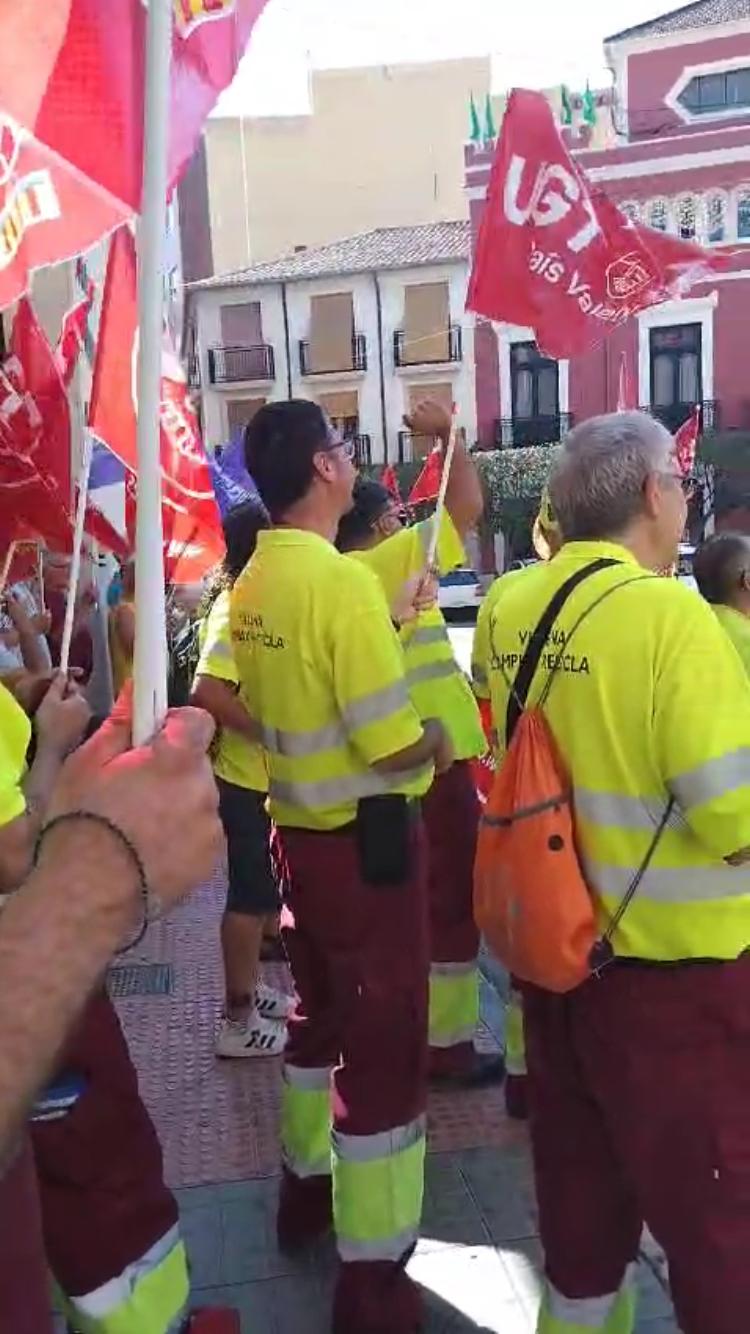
(97, 525)
(72, 80)
(427, 485)
(228, 491)
(627, 399)
(389, 480)
(31, 506)
(43, 383)
(233, 465)
(490, 128)
(557, 255)
(589, 107)
(686, 441)
(475, 125)
(567, 106)
(188, 499)
(72, 340)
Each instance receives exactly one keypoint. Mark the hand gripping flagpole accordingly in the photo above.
(440, 505)
(150, 660)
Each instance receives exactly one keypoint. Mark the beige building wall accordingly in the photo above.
(382, 148)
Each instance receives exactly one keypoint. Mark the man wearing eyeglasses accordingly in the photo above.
(322, 675)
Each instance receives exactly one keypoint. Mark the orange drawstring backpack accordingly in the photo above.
(531, 900)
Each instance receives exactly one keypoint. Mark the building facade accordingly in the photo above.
(381, 147)
(366, 327)
(679, 160)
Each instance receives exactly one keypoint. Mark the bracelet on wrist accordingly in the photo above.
(149, 905)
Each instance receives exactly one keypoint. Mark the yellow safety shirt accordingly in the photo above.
(15, 734)
(322, 672)
(436, 683)
(480, 649)
(235, 759)
(651, 700)
(737, 627)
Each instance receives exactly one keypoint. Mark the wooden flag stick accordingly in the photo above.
(440, 506)
(5, 572)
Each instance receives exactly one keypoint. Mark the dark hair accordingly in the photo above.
(371, 500)
(719, 565)
(241, 527)
(281, 442)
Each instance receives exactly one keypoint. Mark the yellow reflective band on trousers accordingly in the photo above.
(149, 1298)
(306, 1120)
(378, 1183)
(454, 1003)
(612, 1314)
(515, 1044)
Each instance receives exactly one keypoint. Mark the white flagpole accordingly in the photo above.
(150, 659)
(40, 577)
(440, 506)
(75, 564)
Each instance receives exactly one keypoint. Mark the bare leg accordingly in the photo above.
(241, 936)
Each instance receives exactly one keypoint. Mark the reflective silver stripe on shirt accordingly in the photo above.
(376, 707)
(118, 1292)
(712, 779)
(670, 884)
(384, 1144)
(624, 812)
(479, 675)
(586, 1312)
(323, 792)
(220, 650)
(388, 1248)
(453, 969)
(312, 1079)
(427, 634)
(431, 671)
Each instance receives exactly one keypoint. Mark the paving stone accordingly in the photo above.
(467, 1289)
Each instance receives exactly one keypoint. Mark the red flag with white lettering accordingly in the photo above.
(72, 78)
(192, 523)
(43, 382)
(73, 335)
(686, 441)
(556, 254)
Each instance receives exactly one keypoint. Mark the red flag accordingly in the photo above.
(98, 526)
(427, 485)
(556, 254)
(627, 399)
(72, 335)
(389, 480)
(191, 515)
(34, 439)
(686, 441)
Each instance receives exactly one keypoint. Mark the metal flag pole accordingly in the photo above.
(150, 658)
(75, 564)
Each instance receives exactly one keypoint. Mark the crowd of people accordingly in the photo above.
(331, 742)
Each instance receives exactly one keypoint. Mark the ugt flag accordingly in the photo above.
(556, 254)
(72, 80)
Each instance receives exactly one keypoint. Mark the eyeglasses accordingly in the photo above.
(688, 482)
(347, 447)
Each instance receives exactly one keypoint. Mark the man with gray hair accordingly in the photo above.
(639, 1079)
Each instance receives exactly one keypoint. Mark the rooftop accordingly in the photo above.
(703, 14)
(384, 248)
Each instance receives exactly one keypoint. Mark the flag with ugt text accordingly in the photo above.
(32, 505)
(72, 78)
(188, 502)
(556, 255)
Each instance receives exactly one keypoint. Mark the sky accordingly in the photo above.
(293, 36)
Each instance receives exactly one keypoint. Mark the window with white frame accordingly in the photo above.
(716, 218)
(658, 215)
(743, 213)
(717, 91)
(687, 217)
(631, 209)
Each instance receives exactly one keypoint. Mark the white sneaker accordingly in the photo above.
(255, 1037)
(273, 1004)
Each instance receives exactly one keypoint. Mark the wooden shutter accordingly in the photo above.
(241, 325)
(240, 411)
(426, 323)
(332, 332)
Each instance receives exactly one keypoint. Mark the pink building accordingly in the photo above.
(679, 160)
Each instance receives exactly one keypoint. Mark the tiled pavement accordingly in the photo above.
(478, 1261)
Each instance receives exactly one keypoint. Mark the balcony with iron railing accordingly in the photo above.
(521, 432)
(428, 351)
(227, 365)
(674, 415)
(358, 361)
(362, 449)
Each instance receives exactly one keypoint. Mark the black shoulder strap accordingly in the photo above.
(534, 648)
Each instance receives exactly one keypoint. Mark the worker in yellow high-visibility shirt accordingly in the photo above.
(547, 541)
(638, 1078)
(373, 533)
(322, 673)
(722, 573)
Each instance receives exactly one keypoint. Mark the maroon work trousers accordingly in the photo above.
(451, 815)
(25, 1297)
(639, 1084)
(101, 1185)
(359, 958)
